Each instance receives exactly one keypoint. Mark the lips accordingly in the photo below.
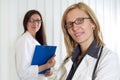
(78, 34)
(34, 27)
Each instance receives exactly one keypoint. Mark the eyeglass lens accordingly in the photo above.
(77, 22)
(33, 20)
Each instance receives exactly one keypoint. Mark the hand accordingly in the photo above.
(48, 73)
(51, 62)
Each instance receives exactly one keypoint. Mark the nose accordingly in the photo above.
(75, 27)
(35, 23)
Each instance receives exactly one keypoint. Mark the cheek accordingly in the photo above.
(70, 32)
(89, 27)
(39, 26)
(89, 31)
(28, 26)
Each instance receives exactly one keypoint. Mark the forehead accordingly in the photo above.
(34, 16)
(75, 13)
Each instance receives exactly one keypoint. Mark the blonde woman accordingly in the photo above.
(87, 56)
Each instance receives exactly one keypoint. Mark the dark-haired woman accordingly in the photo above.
(34, 34)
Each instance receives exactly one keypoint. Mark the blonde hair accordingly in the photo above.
(69, 42)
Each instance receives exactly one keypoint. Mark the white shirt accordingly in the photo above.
(24, 52)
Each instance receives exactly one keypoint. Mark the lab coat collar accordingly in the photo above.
(92, 50)
(31, 37)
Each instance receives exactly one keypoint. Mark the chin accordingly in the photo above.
(79, 41)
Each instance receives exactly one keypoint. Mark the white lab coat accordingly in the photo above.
(24, 50)
(108, 67)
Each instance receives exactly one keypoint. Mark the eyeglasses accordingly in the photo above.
(77, 22)
(37, 20)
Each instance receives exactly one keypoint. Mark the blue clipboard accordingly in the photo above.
(42, 54)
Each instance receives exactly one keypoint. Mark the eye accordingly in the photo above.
(69, 24)
(37, 20)
(79, 20)
(31, 20)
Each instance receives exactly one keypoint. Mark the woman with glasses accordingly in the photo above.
(34, 34)
(87, 56)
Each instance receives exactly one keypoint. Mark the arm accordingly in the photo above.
(50, 63)
(24, 52)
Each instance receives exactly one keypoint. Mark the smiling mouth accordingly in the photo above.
(78, 34)
(34, 27)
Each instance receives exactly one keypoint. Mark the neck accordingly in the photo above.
(33, 34)
(85, 45)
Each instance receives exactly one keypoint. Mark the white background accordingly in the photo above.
(11, 18)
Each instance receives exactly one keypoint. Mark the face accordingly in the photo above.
(79, 26)
(34, 24)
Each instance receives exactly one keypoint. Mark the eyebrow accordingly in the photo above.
(36, 18)
(77, 18)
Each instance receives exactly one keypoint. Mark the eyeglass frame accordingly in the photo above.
(71, 24)
(33, 20)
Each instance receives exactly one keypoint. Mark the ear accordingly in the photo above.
(93, 26)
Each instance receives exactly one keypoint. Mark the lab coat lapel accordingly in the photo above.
(68, 66)
(83, 68)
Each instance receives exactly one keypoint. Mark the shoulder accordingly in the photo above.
(109, 59)
(108, 53)
(22, 39)
(108, 64)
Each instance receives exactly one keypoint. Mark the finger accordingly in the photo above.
(48, 73)
(53, 56)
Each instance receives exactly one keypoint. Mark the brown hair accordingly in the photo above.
(40, 35)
